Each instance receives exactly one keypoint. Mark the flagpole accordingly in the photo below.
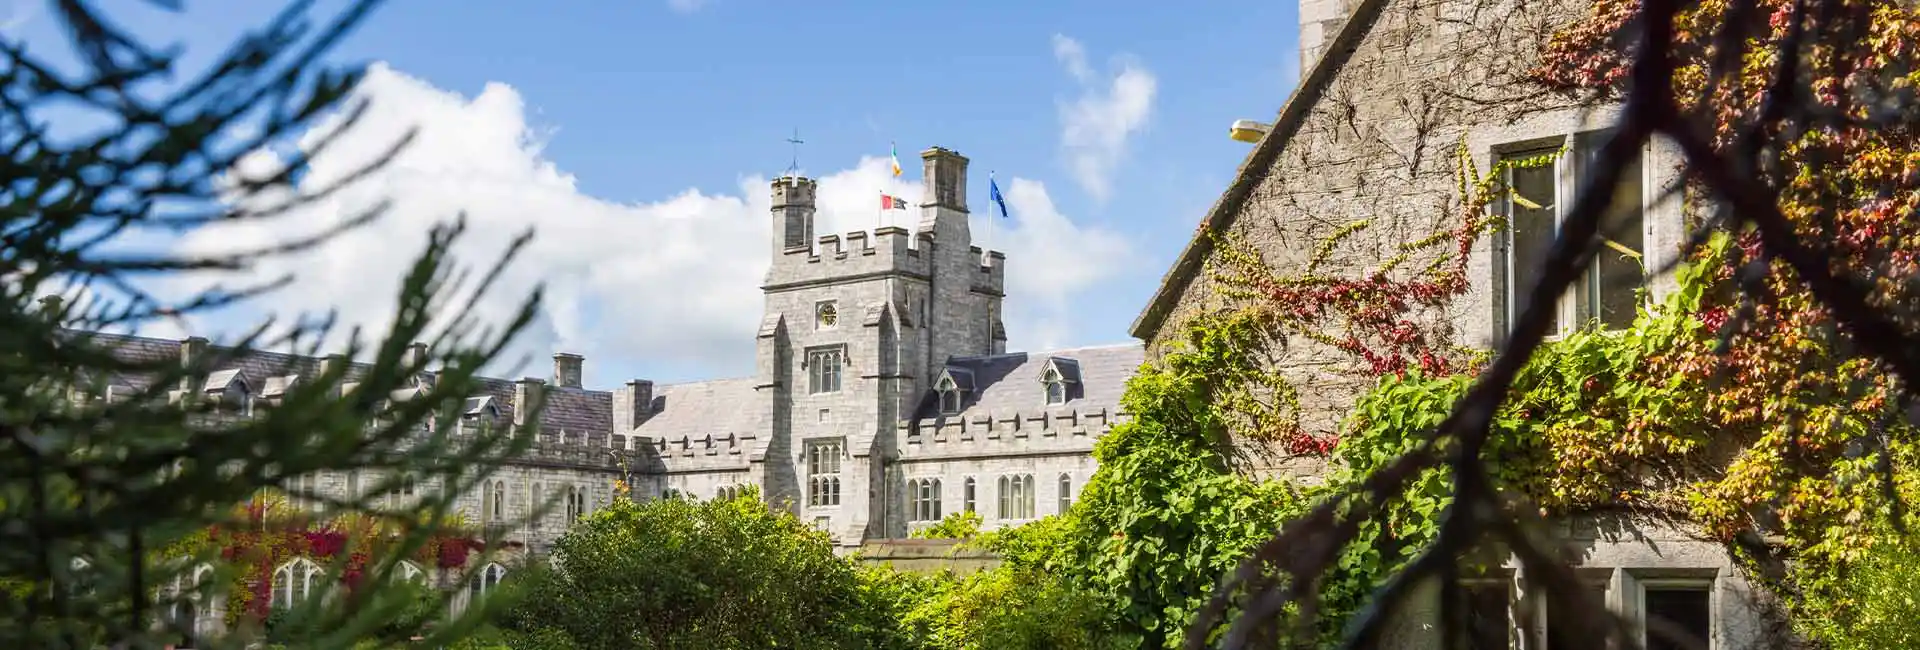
(987, 252)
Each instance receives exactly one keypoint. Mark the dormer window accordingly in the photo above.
(276, 388)
(1057, 375)
(949, 396)
(478, 412)
(952, 386)
(230, 391)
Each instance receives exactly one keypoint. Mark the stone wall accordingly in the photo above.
(926, 555)
(1399, 89)
(1372, 135)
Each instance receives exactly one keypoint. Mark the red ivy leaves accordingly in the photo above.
(1851, 187)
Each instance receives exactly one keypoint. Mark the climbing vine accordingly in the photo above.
(267, 533)
(1734, 404)
(1390, 318)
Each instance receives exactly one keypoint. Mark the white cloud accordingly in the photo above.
(635, 287)
(686, 6)
(1096, 125)
(1049, 259)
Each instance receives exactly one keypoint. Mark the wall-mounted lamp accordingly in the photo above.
(1250, 131)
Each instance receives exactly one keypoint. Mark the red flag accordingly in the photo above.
(892, 203)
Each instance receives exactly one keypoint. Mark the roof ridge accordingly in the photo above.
(1054, 351)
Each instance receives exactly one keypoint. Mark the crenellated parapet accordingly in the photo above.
(1037, 432)
(861, 253)
(720, 448)
(992, 278)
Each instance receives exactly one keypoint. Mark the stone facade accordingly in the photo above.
(882, 391)
(1390, 91)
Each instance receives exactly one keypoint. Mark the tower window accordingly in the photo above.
(967, 494)
(823, 473)
(1066, 493)
(823, 371)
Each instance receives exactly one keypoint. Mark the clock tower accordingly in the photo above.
(855, 326)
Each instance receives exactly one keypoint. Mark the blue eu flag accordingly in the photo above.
(993, 188)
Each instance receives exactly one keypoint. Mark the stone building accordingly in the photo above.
(883, 398)
(1389, 91)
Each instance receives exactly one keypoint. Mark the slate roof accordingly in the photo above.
(1005, 383)
(571, 411)
(717, 407)
(1010, 383)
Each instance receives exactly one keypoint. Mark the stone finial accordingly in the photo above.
(567, 369)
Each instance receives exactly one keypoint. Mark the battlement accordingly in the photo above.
(1041, 432)
(568, 454)
(886, 249)
(992, 278)
(699, 453)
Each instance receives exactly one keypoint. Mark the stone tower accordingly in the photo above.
(855, 327)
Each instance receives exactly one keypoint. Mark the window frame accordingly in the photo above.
(1511, 596)
(1700, 584)
(951, 399)
(494, 506)
(282, 594)
(404, 489)
(969, 492)
(1575, 152)
(1064, 492)
(576, 503)
(823, 466)
(924, 499)
(1016, 497)
(826, 369)
(1054, 386)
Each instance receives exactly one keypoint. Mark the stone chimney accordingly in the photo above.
(415, 358)
(193, 350)
(1320, 22)
(333, 362)
(642, 400)
(566, 369)
(527, 396)
(632, 405)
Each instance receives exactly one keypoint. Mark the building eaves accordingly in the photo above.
(1255, 168)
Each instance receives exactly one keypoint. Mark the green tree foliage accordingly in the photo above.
(960, 525)
(107, 469)
(679, 573)
(1165, 515)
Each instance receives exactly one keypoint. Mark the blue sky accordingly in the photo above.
(636, 137)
